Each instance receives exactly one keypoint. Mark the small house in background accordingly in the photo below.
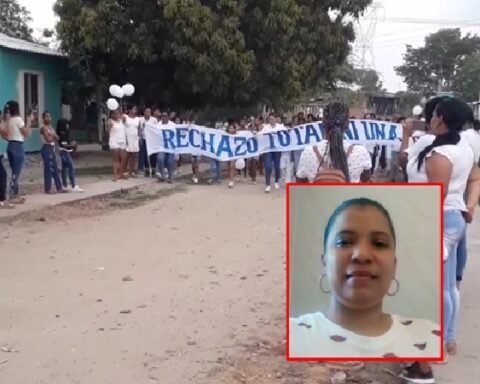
(32, 74)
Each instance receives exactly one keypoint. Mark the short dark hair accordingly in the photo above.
(358, 202)
(12, 107)
(45, 113)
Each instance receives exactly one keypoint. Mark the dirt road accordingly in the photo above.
(206, 273)
(187, 288)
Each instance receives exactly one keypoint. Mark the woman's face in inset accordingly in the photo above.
(360, 259)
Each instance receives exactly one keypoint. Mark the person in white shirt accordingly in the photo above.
(360, 268)
(165, 159)
(443, 156)
(353, 160)
(117, 141)
(272, 159)
(17, 132)
(143, 159)
(132, 127)
(4, 204)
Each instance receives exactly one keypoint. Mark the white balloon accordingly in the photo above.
(128, 89)
(112, 104)
(417, 110)
(240, 164)
(116, 91)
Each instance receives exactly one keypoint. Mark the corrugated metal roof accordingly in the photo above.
(26, 46)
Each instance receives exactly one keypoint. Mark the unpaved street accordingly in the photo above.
(205, 274)
(182, 284)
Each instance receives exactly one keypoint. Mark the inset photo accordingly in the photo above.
(364, 272)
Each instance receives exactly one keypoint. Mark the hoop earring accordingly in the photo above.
(320, 283)
(397, 288)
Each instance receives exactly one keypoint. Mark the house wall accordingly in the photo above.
(53, 70)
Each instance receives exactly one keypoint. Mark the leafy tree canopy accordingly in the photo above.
(435, 66)
(193, 53)
(14, 20)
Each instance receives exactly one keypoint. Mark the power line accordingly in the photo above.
(431, 21)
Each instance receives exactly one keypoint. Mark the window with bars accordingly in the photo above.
(30, 82)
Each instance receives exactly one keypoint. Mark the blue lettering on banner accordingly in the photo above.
(182, 134)
(393, 133)
(224, 146)
(284, 138)
(240, 148)
(365, 129)
(252, 145)
(191, 136)
(168, 136)
(380, 131)
(206, 142)
(296, 131)
(311, 133)
(271, 140)
(352, 133)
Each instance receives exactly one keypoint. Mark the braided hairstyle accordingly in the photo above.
(455, 114)
(335, 122)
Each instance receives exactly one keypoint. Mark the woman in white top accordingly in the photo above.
(272, 159)
(132, 126)
(356, 166)
(118, 144)
(360, 265)
(17, 132)
(4, 204)
(442, 156)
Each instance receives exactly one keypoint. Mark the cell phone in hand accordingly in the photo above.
(419, 125)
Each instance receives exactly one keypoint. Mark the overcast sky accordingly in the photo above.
(390, 37)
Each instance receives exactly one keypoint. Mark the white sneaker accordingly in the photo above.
(277, 186)
(77, 189)
(267, 189)
(231, 184)
(195, 180)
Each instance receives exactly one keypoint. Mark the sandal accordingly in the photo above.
(452, 348)
(6, 205)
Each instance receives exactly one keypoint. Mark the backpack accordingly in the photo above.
(327, 174)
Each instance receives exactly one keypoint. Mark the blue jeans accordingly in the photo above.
(143, 162)
(215, 170)
(166, 160)
(461, 256)
(272, 160)
(50, 168)
(454, 229)
(67, 168)
(16, 159)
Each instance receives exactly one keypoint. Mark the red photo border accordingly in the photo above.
(376, 359)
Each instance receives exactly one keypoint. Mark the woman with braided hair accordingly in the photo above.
(352, 160)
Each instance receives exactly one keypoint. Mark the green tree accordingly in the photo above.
(434, 66)
(467, 78)
(14, 20)
(194, 53)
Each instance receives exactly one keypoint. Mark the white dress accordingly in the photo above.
(117, 136)
(314, 335)
(131, 127)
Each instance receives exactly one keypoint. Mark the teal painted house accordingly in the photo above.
(31, 74)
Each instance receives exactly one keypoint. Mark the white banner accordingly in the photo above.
(217, 144)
